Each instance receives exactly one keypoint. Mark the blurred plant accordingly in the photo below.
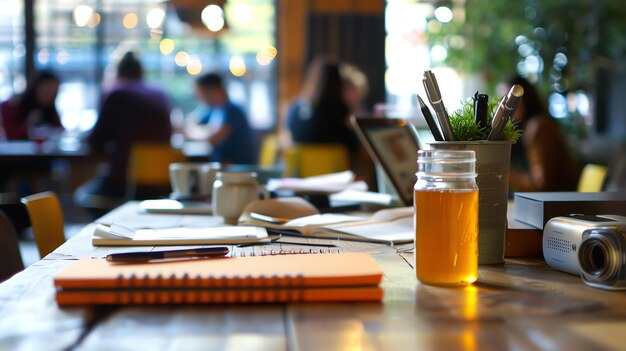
(557, 43)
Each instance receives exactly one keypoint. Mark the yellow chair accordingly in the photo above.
(592, 178)
(269, 150)
(148, 169)
(306, 160)
(46, 219)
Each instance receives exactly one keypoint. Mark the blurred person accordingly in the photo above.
(541, 159)
(130, 111)
(34, 109)
(320, 114)
(355, 89)
(31, 115)
(221, 123)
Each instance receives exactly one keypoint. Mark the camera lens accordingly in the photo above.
(596, 258)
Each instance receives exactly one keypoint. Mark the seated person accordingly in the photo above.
(221, 123)
(541, 159)
(35, 108)
(32, 115)
(320, 114)
(130, 112)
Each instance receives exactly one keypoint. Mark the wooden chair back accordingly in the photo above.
(46, 219)
(148, 168)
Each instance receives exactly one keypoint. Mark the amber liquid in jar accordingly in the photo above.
(446, 237)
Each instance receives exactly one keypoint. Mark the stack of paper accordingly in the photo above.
(327, 184)
(120, 235)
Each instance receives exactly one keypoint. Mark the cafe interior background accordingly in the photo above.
(573, 50)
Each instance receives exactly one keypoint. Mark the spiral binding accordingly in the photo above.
(209, 289)
(186, 289)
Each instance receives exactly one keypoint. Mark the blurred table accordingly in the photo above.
(21, 160)
(14, 150)
(520, 305)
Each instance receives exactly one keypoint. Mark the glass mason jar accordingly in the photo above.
(446, 218)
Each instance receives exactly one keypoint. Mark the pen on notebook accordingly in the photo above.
(159, 255)
(434, 96)
(481, 105)
(432, 124)
(506, 109)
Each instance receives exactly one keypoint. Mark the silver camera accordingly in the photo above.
(562, 237)
(602, 257)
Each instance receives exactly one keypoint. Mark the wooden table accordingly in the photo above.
(522, 304)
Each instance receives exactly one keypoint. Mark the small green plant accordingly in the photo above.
(465, 128)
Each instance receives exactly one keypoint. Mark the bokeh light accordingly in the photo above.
(266, 55)
(182, 58)
(82, 14)
(155, 17)
(43, 56)
(438, 53)
(557, 105)
(213, 17)
(166, 46)
(94, 20)
(130, 20)
(560, 60)
(194, 67)
(63, 56)
(443, 14)
(242, 13)
(237, 66)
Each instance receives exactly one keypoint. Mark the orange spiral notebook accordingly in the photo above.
(253, 279)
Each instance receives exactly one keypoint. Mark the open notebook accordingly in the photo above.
(393, 225)
(252, 279)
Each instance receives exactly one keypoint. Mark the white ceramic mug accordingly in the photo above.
(193, 180)
(232, 191)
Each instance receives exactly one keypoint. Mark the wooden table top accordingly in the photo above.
(522, 304)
